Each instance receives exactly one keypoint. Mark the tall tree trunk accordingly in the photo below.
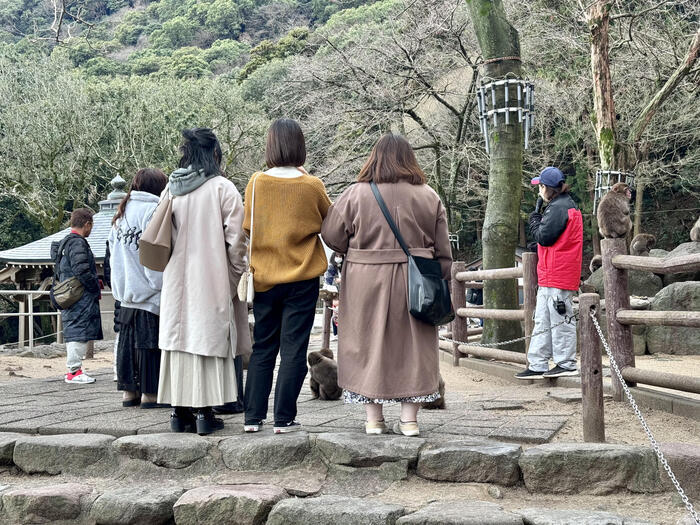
(498, 39)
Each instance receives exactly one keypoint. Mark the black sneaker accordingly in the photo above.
(206, 422)
(286, 428)
(182, 420)
(558, 371)
(529, 374)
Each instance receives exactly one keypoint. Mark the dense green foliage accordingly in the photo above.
(111, 93)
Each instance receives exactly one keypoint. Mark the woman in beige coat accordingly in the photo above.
(384, 354)
(203, 325)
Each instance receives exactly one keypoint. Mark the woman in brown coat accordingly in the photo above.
(384, 354)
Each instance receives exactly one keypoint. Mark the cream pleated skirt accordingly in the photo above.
(190, 380)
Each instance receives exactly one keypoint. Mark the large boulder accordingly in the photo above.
(264, 453)
(219, 504)
(589, 468)
(461, 513)
(362, 450)
(165, 450)
(7, 446)
(334, 510)
(687, 248)
(682, 296)
(465, 462)
(44, 504)
(64, 453)
(135, 506)
(643, 284)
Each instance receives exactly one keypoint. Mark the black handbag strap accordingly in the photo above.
(59, 256)
(389, 219)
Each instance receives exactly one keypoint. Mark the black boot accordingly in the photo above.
(206, 422)
(234, 407)
(182, 420)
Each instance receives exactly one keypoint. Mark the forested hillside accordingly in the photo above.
(92, 88)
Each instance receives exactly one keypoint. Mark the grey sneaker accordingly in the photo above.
(558, 371)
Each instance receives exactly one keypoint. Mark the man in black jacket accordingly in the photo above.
(81, 322)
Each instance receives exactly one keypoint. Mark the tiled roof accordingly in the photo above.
(39, 252)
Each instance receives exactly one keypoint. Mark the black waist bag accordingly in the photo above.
(428, 293)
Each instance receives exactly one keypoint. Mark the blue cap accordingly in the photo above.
(550, 176)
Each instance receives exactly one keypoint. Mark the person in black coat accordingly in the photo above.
(117, 304)
(81, 322)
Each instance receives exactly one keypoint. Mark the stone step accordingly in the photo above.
(461, 513)
(538, 516)
(362, 450)
(590, 468)
(266, 452)
(165, 450)
(136, 506)
(64, 453)
(47, 504)
(334, 510)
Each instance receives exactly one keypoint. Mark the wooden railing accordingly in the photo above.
(620, 317)
(461, 280)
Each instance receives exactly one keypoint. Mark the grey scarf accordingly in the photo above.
(186, 180)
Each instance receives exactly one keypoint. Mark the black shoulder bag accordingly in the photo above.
(428, 293)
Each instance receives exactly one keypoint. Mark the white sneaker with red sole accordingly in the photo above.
(79, 378)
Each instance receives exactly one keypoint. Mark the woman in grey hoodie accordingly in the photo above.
(138, 290)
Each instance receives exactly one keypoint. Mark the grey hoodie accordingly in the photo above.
(133, 284)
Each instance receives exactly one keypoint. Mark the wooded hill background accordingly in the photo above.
(92, 88)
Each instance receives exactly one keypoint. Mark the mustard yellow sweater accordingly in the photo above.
(288, 215)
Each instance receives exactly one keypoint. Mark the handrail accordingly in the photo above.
(497, 273)
(658, 318)
(662, 265)
(662, 379)
(492, 313)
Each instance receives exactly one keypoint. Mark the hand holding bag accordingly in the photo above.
(428, 293)
(155, 245)
(246, 287)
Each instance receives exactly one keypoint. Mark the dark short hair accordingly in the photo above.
(80, 217)
(392, 160)
(285, 144)
(201, 149)
(551, 193)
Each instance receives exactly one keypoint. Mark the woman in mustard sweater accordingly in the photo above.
(287, 206)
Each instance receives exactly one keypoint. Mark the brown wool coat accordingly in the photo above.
(383, 351)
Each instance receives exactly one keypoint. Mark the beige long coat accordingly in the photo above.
(200, 311)
(383, 351)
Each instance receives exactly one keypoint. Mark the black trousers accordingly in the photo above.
(284, 317)
(138, 356)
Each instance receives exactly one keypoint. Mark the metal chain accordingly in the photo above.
(654, 444)
(567, 319)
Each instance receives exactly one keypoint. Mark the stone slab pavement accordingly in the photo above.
(50, 406)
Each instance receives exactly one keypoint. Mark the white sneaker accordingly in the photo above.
(79, 378)
(253, 427)
(287, 428)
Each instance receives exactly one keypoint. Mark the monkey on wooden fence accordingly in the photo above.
(614, 212)
(642, 244)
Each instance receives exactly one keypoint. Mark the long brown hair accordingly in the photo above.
(150, 180)
(392, 160)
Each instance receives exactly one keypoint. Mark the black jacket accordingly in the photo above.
(108, 281)
(82, 321)
(547, 227)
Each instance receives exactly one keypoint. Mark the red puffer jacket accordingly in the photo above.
(559, 234)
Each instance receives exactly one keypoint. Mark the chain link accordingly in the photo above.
(633, 403)
(567, 319)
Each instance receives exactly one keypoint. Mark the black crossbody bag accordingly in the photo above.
(428, 293)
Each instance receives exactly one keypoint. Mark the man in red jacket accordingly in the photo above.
(559, 235)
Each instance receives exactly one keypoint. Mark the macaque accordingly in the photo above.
(614, 212)
(324, 376)
(438, 404)
(642, 243)
(695, 231)
(596, 263)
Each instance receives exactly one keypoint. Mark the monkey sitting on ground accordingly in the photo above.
(614, 212)
(438, 404)
(596, 263)
(324, 376)
(695, 231)
(642, 243)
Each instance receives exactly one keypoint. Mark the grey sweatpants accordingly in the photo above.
(75, 353)
(558, 344)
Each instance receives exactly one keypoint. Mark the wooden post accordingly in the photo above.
(529, 290)
(327, 320)
(591, 371)
(617, 298)
(90, 351)
(459, 300)
(59, 328)
(30, 306)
